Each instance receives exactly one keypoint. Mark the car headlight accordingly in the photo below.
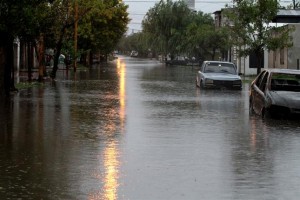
(209, 81)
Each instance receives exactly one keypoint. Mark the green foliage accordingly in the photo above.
(20, 18)
(171, 27)
(102, 28)
(204, 39)
(101, 23)
(166, 23)
(249, 25)
(138, 42)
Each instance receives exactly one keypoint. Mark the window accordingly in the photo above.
(263, 84)
(259, 78)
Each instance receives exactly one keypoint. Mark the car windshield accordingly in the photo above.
(285, 82)
(220, 68)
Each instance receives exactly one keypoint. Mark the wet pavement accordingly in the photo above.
(137, 129)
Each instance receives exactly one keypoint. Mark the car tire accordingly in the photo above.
(251, 110)
(265, 114)
(201, 85)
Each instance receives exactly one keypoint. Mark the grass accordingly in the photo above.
(25, 85)
(248, 79)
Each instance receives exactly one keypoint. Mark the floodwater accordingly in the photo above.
(138, 130)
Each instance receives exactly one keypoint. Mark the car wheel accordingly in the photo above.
(251, 110)
(197, 82)
(202, 85)
(265, 114)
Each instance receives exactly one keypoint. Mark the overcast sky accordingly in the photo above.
(138, 8)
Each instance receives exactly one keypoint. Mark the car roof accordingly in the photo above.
(286, 71)
(217, 61)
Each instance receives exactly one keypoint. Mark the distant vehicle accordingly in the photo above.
(61, 58)
(134, 54)
(218, 74)
(275, 93)
(178, 60)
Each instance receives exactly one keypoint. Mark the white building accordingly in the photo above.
(282, 58)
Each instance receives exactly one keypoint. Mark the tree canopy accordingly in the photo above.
(250, 27)
(101, 24)
(170, 27)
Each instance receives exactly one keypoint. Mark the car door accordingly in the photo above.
(260, 96)
(201, 75)
(255, 92)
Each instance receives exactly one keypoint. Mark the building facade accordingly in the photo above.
(288, 58)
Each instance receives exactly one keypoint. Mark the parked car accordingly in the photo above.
(134, 54)
(178, 60)
(218, 74)
(275, 93)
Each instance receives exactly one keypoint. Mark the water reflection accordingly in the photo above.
(121, 70)
(111, 163)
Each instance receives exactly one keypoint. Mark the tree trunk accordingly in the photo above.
(6, 60)
(91, 55)
(3, 63)
(57, 53)
(41, 57)
(30, 60)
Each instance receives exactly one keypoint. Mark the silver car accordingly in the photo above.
(275, 93)
(218, 74)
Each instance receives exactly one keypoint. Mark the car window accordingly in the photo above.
(215, 67)
(286, 82)
(259, 78)
(263, 83)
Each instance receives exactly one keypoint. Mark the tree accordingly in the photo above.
(17, 18)
(135, 42)
(203, 39)
(165, 24)
(249, 24)
(101, 29)
(296, 4)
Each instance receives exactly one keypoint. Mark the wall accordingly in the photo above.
(293, 53)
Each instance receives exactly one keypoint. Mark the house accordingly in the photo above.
(288, 57)
(282, 58)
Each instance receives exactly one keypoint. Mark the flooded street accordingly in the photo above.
(139, 130)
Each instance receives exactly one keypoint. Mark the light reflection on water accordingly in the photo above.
(111, 165)
(111, 153)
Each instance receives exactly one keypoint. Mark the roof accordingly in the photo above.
(286, 71)
(217, 61)
(287, 16)
(283, 15)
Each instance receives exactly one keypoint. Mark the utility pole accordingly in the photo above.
(75, 34)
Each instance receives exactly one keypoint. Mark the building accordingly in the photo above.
(288, 57)
(281, 58)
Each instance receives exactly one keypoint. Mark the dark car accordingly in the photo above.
(275, 93)
(218, 74)
(179, 60)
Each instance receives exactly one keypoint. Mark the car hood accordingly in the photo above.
(285, 98)
(222, 76)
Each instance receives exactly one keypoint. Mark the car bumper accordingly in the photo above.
(216, 84)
